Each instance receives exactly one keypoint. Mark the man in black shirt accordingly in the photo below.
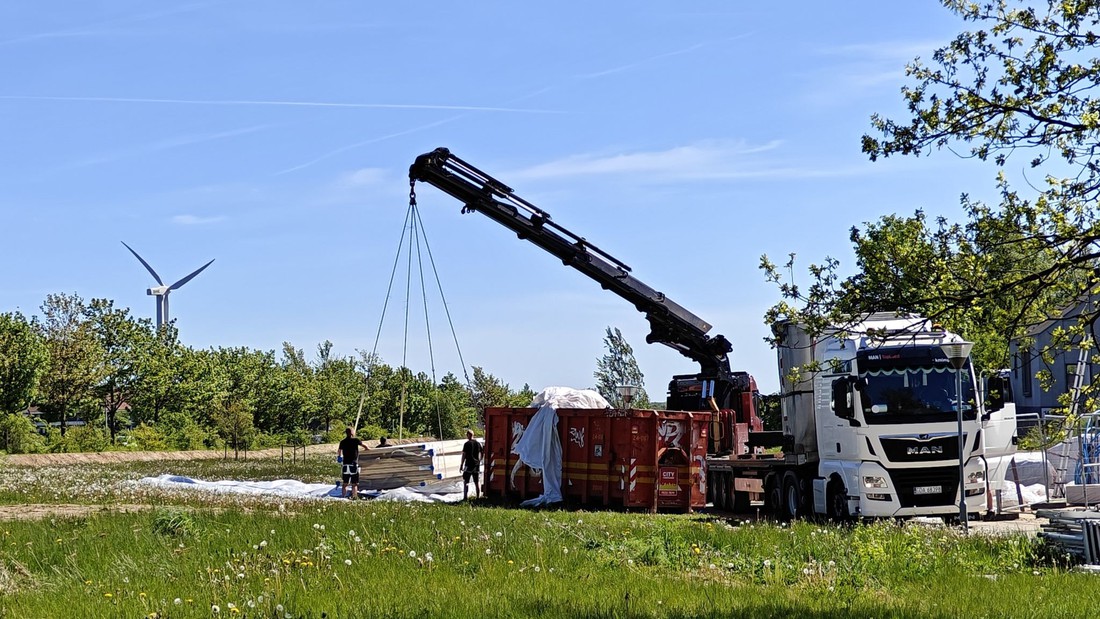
(348, 453)
(470, 465)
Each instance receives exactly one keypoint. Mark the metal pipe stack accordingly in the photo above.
(1077, 532)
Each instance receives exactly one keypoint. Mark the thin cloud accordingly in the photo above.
(159, 146)
(251, 102)
(195, 220)
(703, 160)
(885, 50)
(373, 140)
(632, 65)
(514, 100)
(364, 177)
(96, 27)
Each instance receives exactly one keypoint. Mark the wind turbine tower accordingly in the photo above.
(160, 291)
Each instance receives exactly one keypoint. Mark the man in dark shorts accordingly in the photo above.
(470, 465)
(348, 454)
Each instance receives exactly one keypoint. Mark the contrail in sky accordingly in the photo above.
(89, 29)
(247, 102)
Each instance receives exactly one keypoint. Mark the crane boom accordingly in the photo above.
(670, 323)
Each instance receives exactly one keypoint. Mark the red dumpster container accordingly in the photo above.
(610, 457)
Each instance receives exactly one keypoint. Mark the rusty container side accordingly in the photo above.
(610, 457)
(503, 429)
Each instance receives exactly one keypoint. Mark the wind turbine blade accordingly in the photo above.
(189, 277)
(147, 267)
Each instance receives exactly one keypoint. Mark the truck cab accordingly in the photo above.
(872, 419)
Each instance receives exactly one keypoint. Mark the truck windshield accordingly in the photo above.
(911, 385)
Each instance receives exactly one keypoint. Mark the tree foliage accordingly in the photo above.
(1021, 84)
(617, 367)
(23, 359)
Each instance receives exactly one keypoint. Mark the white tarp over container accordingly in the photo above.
(540, 446)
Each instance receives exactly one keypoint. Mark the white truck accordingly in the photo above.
(870, 427)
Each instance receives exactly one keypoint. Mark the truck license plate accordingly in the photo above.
(927, 489)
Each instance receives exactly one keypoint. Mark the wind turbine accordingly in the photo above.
(161, 291)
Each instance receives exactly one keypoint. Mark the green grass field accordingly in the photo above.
(195, 555)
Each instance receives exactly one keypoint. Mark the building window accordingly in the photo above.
(1025, 361)
(1071, 375)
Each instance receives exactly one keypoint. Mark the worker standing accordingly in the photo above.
(347, 453)
(470, 465)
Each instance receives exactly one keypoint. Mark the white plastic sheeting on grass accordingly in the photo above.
(444, 492)
(540, 445)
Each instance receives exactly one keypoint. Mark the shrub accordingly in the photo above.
(86, 438)
(148, 438)
(18, 436)
(190, 436)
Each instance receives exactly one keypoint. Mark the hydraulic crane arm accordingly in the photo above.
(670, 324)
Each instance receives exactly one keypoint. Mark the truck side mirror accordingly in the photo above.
(842, 398)
(994, 394)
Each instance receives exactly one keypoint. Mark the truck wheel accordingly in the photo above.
(792, 495)
(773, 496)
(725, 486)
(836, 501)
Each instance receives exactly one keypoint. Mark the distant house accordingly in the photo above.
(1028, 361)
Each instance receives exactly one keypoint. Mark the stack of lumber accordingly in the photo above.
(385, 468)
(1075, 531)
(413, 464)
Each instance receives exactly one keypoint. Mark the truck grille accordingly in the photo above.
(906, 481)
(912, 449)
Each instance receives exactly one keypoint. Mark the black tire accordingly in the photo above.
(836, 501)
(792, 496)
(725, 486)
(773, 496)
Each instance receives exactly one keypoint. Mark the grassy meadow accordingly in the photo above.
(202, 555)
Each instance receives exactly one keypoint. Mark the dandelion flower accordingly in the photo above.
(488, 551)
(351, 533)
(412, 554)
(214, 608)
(347, 561)
(177, 601)
(499, 534)
(428, 557)
(108, 595)
(263, 544)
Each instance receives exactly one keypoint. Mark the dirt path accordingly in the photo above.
(107, 457)
(40, 511)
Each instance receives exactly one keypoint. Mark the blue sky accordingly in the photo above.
(686, 139)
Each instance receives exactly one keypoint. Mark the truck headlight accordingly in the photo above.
(977, 477)
(874, 481)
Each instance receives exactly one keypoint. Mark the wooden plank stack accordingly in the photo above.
(418, 464)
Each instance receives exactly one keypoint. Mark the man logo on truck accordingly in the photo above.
(923, 450)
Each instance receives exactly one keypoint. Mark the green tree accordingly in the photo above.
(1020, 84)
(339, 385)
(23, 361)
(76, 358)
(487, 391)
(164, 370)
(298, 404)
(121, 339)
(618, 367)
(233, 420)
